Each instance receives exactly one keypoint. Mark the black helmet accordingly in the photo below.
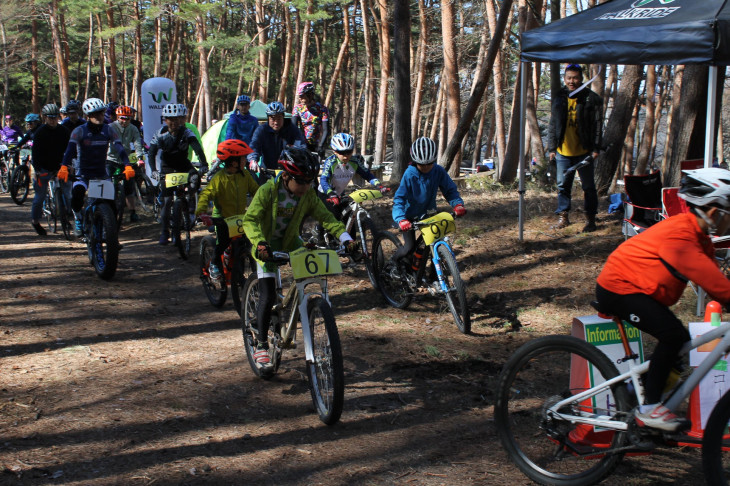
(299, 163)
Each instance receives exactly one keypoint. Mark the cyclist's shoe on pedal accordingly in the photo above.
(79, 228)
(261, 356)
(39, 229)
(215, 274)
(133, 217)
(661, 418)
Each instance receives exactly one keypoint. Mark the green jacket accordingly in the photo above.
(258, 224)
(228, 193)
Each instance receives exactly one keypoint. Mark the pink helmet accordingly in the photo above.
(305, 87)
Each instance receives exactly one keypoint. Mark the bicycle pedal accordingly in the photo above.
(291, 345)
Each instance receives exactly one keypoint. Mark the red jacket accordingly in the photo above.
(659, 261)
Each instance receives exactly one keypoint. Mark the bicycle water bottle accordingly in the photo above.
(417, 257)
(226, 257)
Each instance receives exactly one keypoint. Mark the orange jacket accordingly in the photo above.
(654, 262)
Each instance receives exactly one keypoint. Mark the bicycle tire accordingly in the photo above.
(391, 284)
(4, 177)
(456, 295)
(143, 192)
(49, 204)
(63, 214)
(104, 241)
(238, 278)
(181, 228)
(534, 377)
(248, 323)
(20, 184)
(712, 443)
(326, 373)
(367, 240)
(216, 296)
(120, 202)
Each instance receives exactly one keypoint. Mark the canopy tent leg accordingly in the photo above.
(711, 110)
(521, 152)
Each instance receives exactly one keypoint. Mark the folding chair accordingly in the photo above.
(643, 207)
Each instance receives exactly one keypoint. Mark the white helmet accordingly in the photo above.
(173, 110)
(423, 151)
(92, 105)
(342, 142)
(706, 187)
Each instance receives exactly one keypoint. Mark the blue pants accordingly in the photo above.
(40, 186)
(565, 184)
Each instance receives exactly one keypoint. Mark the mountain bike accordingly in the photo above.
(100, 228)
(357, 223)
(565, 415)
(20, 179)
(142, 192)
(400, 281)
(311, 307)
(235, 258)
(181, 223)
(5, 168)
(57, 210)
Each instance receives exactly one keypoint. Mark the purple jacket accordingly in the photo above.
(11, 134)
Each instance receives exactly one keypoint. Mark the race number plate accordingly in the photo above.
(436, 227)
(365, 195)
(176, 179)
(3, 148)
(101, 189)
(306, 263)
(235, 225)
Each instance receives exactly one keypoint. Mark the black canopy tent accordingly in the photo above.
(635, 32)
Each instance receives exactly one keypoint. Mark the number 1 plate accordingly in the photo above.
(101, 189)
(306, 263)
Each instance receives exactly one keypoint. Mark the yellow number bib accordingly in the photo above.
(235, 225)
(306, 263)
(365, 195)
(176, 179)
(436, 227)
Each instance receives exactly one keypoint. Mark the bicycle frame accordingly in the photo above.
(679, 394)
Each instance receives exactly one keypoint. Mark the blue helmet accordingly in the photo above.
(342, 142)
(243, 99)
(275, 108)
(32, 117)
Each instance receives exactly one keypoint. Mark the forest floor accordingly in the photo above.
(141, 381)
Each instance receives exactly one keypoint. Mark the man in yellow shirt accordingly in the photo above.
(576, 123)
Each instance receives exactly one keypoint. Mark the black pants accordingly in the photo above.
(648, 315)
(222, 241)
(409, 243)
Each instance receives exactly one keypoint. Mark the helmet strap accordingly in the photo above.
(711, 225)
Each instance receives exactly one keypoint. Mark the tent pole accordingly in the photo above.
(711, 110)
(523, 109)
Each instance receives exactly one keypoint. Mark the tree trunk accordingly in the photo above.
(382, 122)
(102, 61)
(58, 49)
(369, 83)
(35, 86)
(647, 138)
(172, 49)
(618, 124)
(498, 86)
(137, 84)
(112, 57)
(306, 27)
(420, 68)
(287, 54)
(401, 87)
(340, 57)
(205, 93)
(158, 47)
(451, 80)
(262, 39)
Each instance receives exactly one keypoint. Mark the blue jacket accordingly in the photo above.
(417, 192)
(90, 143)
(269, 144)
(241, 127)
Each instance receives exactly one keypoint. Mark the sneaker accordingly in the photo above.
(661, 418)
(39, 229)
(79, 228)
(214, 273)
(261, 356)
(164, 239)
(133, 217)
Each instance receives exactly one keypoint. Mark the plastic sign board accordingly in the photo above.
(714, 385)
(155, 94)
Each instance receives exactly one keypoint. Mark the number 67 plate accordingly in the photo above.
(306, 263)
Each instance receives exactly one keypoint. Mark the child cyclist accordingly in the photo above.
(272, 223)
(648, 273)
(338, 171)
(416, 194)
(228, 190)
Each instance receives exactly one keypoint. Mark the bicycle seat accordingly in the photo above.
(602, 312)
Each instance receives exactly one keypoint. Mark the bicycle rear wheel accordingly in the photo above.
(456, 294)
(326, 373)
(63, 214)
(216, 296)
(4, 176)
(715, 461)
(103, 241)
(546, 448)
(51, 212)
(392, 284)
(181, 227)
(367, 240)
(20, 184)
(120, 202)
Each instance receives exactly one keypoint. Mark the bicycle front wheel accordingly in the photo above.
(49, 208)
(367, 240)
(103, 241)
(326, 373)
(545, 447)
(456, 292)
(20, 184)
(63, 214)
(181, 228)
(715, 461)
(391, 282)
(120, 202)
